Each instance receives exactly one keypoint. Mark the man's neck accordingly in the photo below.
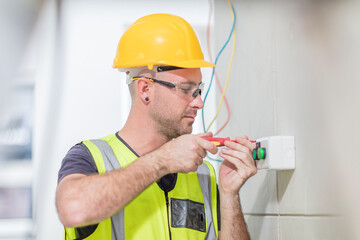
(141, 136)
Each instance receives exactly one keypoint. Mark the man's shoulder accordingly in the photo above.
(78, 148)
(77, 160)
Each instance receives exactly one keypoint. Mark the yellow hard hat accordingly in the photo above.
(160, 39)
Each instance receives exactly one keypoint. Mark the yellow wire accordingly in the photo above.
(228, 72)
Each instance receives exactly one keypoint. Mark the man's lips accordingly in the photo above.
(191, 117)
(190, 114)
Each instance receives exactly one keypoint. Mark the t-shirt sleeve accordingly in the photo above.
(77, 160)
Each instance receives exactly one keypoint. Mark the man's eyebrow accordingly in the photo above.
(192, 83)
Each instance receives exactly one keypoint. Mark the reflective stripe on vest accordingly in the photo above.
(203, 174)
(145, 216)
(111, 163)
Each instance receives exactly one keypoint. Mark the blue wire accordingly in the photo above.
(217, 58)
(213, 159)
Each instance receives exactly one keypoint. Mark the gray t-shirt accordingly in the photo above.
(77, 160)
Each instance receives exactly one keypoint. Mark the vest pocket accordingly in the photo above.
(186, 213)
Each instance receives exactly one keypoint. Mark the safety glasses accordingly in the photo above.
(185, 88)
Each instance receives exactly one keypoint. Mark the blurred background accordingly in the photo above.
(295, 72)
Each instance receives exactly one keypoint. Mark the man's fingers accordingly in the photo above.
(246, 158)
(245, 141)
(201, 153)
(235, 161)
(240, 164)
(238, 146)
(207, 145)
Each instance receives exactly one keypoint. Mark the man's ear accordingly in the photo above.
(143, 89)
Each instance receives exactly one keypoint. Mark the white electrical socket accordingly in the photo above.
(280, 153)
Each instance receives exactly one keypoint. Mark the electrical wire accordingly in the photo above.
(213, 72)
(216, 59)
(216, 76)
(229, 68)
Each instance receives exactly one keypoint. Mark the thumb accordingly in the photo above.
(207, 134)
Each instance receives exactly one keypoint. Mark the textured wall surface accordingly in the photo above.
(294, 74)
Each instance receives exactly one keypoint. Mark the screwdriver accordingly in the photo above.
(220, 142)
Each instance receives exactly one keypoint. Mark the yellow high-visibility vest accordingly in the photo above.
(188, 211)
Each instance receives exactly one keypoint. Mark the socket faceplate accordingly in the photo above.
(280, 153)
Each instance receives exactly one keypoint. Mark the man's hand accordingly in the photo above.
(238, 165)
(185, 153)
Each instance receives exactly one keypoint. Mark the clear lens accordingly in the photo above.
(188, 89)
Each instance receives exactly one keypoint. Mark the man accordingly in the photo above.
(149, 180)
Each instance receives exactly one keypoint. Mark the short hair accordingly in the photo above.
(144, 72)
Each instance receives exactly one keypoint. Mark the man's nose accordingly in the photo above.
(197, 102)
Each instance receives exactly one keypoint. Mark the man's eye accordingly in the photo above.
(186, 90)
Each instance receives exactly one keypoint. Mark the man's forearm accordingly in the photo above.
(85, 200)
(233, 225)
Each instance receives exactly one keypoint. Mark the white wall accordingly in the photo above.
(294, 74)
(79, 96)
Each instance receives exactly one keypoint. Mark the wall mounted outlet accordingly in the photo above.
(275, 152)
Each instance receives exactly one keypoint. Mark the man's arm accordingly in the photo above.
(83, 200)
(237, 167)
(233, 224)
